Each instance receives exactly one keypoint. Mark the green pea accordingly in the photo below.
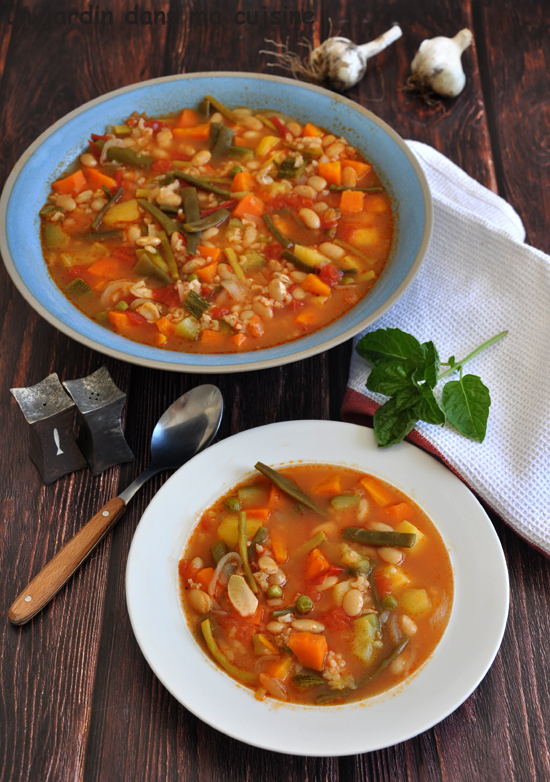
(304, 604)
(389, 602)
(274, 592)
(232, 504)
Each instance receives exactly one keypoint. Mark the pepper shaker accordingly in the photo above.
(99, 402)
(49, 411)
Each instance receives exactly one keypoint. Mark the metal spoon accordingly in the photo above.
(188, 425)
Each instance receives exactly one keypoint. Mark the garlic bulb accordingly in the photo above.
(337, 61)
(437, 64)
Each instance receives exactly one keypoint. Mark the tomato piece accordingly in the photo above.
(334, 570)
(315, 595)
(118, 177)
(167, 295)
(330, 275)
(95, 137)
(136, 318)
(126, 254)
(273, 251)
(219, 312)
(336, 619)
(76, 271)
(161, 166)
(383, 584)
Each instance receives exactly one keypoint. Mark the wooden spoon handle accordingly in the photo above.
(61, 567)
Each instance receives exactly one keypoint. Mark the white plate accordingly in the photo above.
(459, 663)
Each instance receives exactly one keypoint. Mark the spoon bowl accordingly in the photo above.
(187, 427)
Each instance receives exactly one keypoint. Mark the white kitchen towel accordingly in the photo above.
(477, 280)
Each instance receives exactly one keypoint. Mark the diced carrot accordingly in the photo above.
(258, 513)
(212, 338)
(256, 326)
(188, 119)
(204, 577)
(274, 495)
(257, 617)
(213, 253)
(330, 485)
(72, 184)
(305, 319)
(351, 201)
(280, 551)
(281, 669)
(312, 284)
(310, 649)
(311, 130)
(401, 511)
(264, 640)
(199, 132)
(360, 168)
(109, 268)
(165, 326)
(317, 563)
(237, 340)
(118, 319)
(250, 204)
(159, 339)
(241, 142)
(96, 179)
(207, 273)
(241, 181)
(332, 172)
(376, 490)
(383, 584)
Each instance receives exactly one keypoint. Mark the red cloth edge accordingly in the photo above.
(359, 409)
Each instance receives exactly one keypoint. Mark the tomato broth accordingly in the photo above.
(218, 230)
(319, 606)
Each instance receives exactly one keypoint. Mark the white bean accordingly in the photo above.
(307, 626)
(320, 207)
(209, 233)
(277, 579)
(87, 159)
(201, 158)
(216, 117)
(298, 294)
(267, 564)
(275, 627)
(328, 583)
(276, 290)
(349, 177)
(84, 197)
(398, 664)
(333, 150)
(66, 202)
(253, 123)
(332, 251)
(391, 555)
(353, 602)
(251, 134)
(317, 183)
(305, 191)
(380, 526)
(197, 563)
(328, 140)
(200, 601)
(309, 218)
(98, 204)
(294, 128)
(134, 232)
(408, 625)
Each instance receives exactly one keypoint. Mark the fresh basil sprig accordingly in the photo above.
(408, 371)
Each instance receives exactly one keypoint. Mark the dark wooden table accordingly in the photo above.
(77, 699)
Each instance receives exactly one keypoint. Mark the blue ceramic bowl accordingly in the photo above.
(29, 184)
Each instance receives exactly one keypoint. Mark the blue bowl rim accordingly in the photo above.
(250, 360)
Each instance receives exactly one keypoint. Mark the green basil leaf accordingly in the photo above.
(406, 397)
(427, 408)
(391, 425)
(388, 378)
(466, 403)
(387, 345)
(426, 364)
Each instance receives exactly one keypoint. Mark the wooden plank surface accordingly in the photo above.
(77, 699)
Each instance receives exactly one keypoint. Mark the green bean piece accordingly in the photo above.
(204, 108)
(168, 255)
(302, 265)
(267, 122)
(374, 537)
(102, 236)
(195, 304)
(310, 544)
(341, 188)
(243, 152)
(274, 231)
(231, 256)
(192, 213)
(201, 185)
(395, 652)
(288, 169)
(128, 157)
(49, 208)
(210, 221)
(222, 109)
(304, 603)
(374, 589)
(169, 210)
(218, 551)
(217, 180)
(287, 485)
(260, 536)
(305, 681)
(77, 287)
(166, 223)
(243, 551)
(219, 656)
(146, 268)
(100, 215)
(389, 602)
(215, 128)
(223, 142)
(235, 170)
(353, 250)
(274, 592)
(282, 612)
(233, 504)
(193, 277)
(106, 191)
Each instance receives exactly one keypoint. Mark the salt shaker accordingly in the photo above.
(49, 411)
(99, 402)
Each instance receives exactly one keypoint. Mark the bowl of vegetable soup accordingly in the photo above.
(215, 222)
(311, 594)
